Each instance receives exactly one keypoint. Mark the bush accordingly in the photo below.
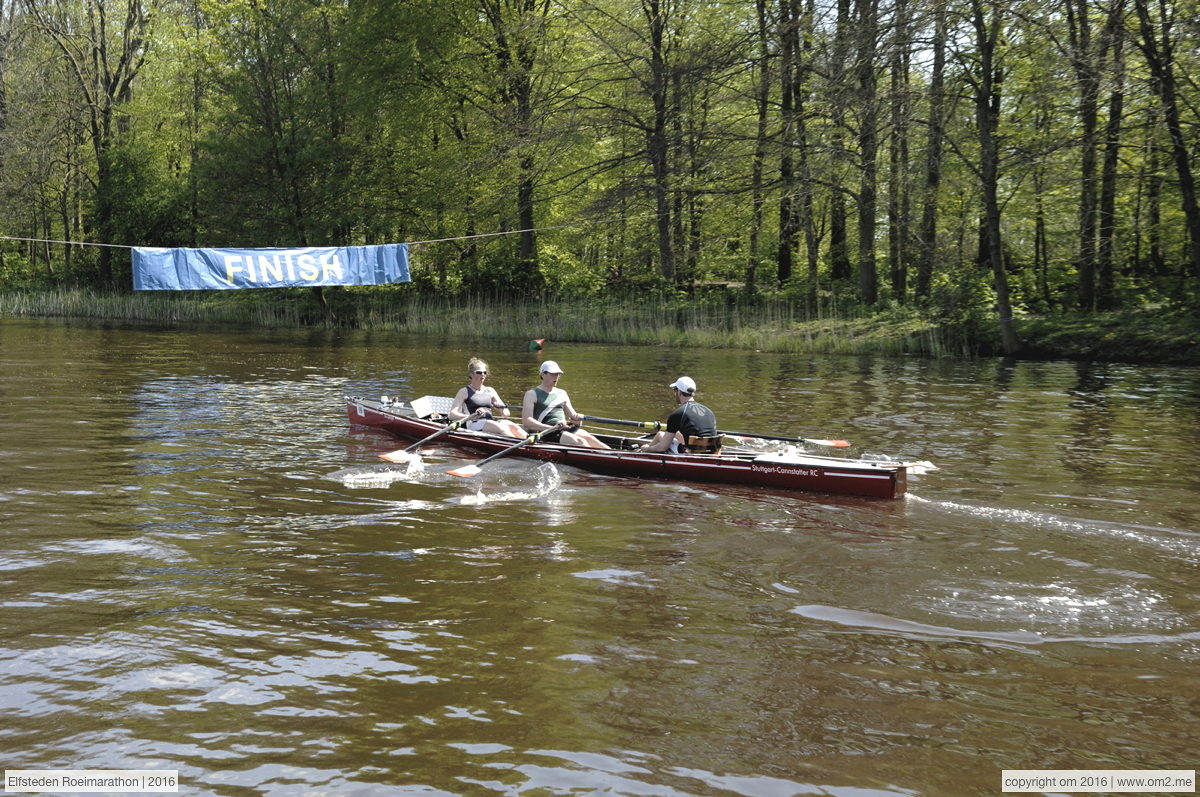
(564, 275)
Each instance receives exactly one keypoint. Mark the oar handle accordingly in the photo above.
(655, 425)
(450, 427)
(533, 438)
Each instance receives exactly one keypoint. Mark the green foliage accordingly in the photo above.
(276, 168)
(314, 122)
(148, 209)
(498, 270)
(963, 304)
(565, 275)
(1151, 334)
(17, 270)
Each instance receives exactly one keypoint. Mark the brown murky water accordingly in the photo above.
(196, 573)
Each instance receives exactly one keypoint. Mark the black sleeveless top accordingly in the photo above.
(473, 404)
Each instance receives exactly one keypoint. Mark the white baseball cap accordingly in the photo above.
(684, 384)
(550, 367)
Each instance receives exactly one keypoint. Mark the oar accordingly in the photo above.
(654, 425)
(405, 455)
(471, 470)
(834, 443)
(657, 425)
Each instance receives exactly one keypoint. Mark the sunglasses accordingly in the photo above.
(481, 373)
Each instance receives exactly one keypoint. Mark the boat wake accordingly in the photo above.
(894, 626)
(918, 468)
(378, 476)
(1177, 541)
(548, 480)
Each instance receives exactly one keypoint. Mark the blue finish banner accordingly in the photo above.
(181, 269)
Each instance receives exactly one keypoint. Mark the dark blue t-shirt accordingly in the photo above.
(693, 419)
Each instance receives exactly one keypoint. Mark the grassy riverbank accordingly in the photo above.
(776, 325)
(1151, 335)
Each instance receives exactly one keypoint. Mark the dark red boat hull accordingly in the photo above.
(804, 472)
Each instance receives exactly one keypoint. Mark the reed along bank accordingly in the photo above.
(1151, 334)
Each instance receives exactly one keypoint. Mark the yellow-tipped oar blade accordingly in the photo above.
(469, 470)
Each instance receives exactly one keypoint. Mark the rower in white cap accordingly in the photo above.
(692, 419)
(547, 405)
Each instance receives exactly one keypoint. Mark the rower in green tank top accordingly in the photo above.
(547, 405)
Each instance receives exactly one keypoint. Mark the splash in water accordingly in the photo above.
(914, 468)
(548, 480)
(377, 477)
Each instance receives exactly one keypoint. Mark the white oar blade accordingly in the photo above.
(469, 470)
(397, 456)
(834, 443)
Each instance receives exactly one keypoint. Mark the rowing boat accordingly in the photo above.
(783, 468)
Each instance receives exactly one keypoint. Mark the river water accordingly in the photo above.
(204, 567)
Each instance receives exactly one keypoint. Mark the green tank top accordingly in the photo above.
(555, 400)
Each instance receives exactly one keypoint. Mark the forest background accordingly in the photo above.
(951, 176)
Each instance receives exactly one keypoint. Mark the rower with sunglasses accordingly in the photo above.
(476, 397)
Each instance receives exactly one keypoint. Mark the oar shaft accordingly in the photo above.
(471, 470)
(533, 438)
(659, 426)
(450, 427)
(655, 425)
(763, 436)
(522, 444)
(837, 443)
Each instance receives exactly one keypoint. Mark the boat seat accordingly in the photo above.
(705, 445)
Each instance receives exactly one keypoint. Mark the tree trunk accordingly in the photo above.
(104, 74)
(1155, 179)
(898, 220)
(987, 116)
(1041, 247)
(789, 52)
(1108, 179)
(1160, 57)
(762, 104)
(839, 243)
(868, 144)
(927, 249)
(1085, 61)
(5, 36)
(657, 145)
